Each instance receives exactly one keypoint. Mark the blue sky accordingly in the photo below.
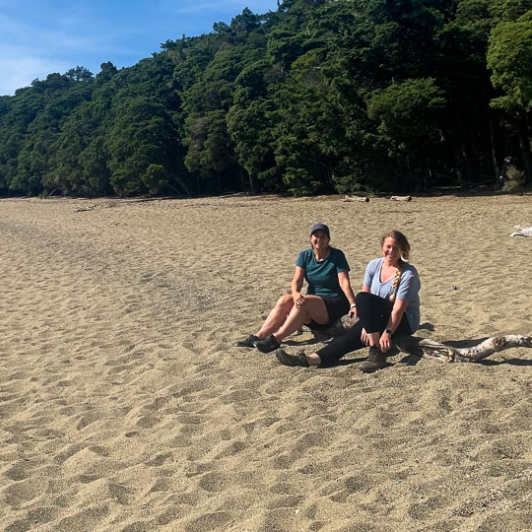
(41, 37)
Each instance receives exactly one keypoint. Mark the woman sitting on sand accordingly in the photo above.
(387, 305)
(329, 294)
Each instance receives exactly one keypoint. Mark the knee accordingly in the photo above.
(362, 297)
(285, 302)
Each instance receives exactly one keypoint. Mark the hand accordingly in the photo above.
(385, 342)
(353, 312)
(299, 300)
(364, 337)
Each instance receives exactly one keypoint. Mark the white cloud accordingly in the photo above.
(32, 47)
(40, 37)
(19, 67)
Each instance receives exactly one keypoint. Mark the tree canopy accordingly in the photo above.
(320, 96)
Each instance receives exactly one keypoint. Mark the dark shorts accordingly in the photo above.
(336, 308)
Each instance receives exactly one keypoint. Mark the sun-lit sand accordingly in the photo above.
(125, 405)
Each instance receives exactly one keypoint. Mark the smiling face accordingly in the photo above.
(390, 250)
(319, 240)
(393, 243)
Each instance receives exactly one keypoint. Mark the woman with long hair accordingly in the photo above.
(388, 305)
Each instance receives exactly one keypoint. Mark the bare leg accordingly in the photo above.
(277, 316)
(313, 309)
(313, 359)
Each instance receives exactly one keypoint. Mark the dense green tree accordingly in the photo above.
(316, 97)
(249, 123)
(408, 117)
(209, 97)
(510, 59)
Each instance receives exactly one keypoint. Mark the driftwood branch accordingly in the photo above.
(401, 198)
(426, 348)
(363, 199)
(522, 230)
(423, 347)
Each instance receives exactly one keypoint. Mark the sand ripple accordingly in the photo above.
(124, 405)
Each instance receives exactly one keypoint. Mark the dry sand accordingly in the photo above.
(125, 406)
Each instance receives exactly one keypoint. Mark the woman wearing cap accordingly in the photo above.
(387, 305)
(328, 297)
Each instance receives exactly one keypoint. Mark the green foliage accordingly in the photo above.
(407, 117)
(510, 60)
(349, 96)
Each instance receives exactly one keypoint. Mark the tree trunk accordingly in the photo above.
(253, 183)
(462, 166)
(524, 145)
(493, 146)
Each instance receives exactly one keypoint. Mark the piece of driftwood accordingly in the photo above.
(423, 347)
(401, 198)
(426, 348)
(363, 199)
(522, 230)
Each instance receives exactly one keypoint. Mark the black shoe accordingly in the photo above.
(248, 342)
(267, 345)
(376, 360)
(291, 360)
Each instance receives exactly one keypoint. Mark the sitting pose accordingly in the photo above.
(329, 294)
(387, 305)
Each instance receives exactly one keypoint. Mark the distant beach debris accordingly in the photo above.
(363, 199)
(401, 198)
(522, 230)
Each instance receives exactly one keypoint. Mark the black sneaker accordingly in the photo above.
(291, 360)
(267, 345)
(248, 342)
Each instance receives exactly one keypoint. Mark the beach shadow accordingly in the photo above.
(310, 341)
(410, 360)
(346, 362)
(514, 362)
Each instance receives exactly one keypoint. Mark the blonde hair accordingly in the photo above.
(404, 252)
(396, 281)
(401, 241)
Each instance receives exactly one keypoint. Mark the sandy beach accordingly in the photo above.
(125, 405)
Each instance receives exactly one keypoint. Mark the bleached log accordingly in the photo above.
(522, 230)
(362, 199)
(426, 348)
(423, 347)
(401, 198)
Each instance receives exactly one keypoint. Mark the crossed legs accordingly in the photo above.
(286, 318)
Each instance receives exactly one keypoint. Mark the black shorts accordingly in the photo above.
(336, 308)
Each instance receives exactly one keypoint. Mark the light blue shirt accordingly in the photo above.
(408, 289)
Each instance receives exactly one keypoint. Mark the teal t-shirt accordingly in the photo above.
(322, 277)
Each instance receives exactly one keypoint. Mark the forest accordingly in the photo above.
(317, 97)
